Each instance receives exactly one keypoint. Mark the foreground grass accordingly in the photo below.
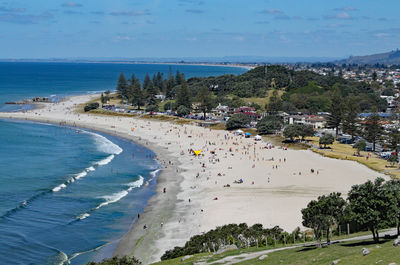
(347, 253)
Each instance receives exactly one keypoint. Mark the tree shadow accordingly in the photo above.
(364, 243)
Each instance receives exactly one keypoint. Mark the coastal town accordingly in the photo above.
(199, 132)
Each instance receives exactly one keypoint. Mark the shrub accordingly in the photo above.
(237, 121)
(326, 139)
(117, 261)
(182, 111)
(269, 124)
(91, 106)
(152, 108)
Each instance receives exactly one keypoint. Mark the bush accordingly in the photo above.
(326, 139)
(360, 146)
(269, 124)
(240, 235)
(237, 121)
(291, 131)
(91, 106)
(117, 261)
(182, 111)
(152, 108)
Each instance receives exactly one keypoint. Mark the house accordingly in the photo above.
(249, 111)
(316, 121)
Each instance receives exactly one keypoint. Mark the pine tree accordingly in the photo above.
(122, 86)
(137, 98)
(336, 111)
(373, 129)
(147, 82)
(204, 97)
(169, 93)
(179, 78)
(350, 117)
(183, 96)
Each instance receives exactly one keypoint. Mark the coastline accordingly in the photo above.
(240, 203)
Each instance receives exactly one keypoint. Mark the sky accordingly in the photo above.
(197, 28)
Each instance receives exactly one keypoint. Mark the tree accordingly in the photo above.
(326, 139)
(305, 130)
(360, 146)
(372, 205)
(374, 76)
(205, 98)
(237, 121)
(91, 106)
(269, 124)
(393, 159)
(183, 96)
(152, 108)
(179, 78)
(350, 116)
(275, 103)
(122, 86)
(323, 213)
(136, 92)
(117, 261)
(147, 82)
(373, 129)
(169, 87)
(182, 111)
(334, 119)
(291, 131)
(394, 187)
(394, 140)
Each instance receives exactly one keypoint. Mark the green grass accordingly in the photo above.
(348, 253)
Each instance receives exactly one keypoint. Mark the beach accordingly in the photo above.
(198, 193)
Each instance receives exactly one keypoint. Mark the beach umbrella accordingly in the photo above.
(239, 132)
(197, 152)
(248, 134)
(257, 138)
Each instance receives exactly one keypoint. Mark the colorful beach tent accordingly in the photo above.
(197, 152)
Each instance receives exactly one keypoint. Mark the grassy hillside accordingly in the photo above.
(392, 57)
(346, 252)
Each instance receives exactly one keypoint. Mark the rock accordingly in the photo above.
(396, 242)
(263, 257)
(226, 248)
(335, 262)
(186, 257)
(365, 251)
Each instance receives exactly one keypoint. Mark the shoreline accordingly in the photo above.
(233, 65)
(200, 179)
(137, 241)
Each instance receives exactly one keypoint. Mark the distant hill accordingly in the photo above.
(391, 58)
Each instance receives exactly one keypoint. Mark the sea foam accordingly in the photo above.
(105, 161)
(59, 187)
(121, 194)
(105, 145)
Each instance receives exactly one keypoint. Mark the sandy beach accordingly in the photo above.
(277, 183)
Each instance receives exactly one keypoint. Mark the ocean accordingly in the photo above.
(67, 195)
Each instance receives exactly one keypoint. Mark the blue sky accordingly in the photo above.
(197, 28)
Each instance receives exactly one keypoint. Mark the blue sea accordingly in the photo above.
(67, 195)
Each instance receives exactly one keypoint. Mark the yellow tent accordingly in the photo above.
(197, 152)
